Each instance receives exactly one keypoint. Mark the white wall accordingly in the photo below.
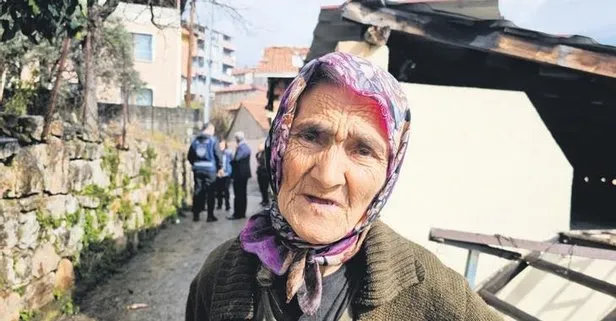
(479, 161)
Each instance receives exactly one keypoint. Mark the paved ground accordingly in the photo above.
(160, 274)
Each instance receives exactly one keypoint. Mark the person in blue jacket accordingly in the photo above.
(206, 160)
(223, 182)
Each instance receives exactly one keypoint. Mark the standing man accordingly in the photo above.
(206, 161)
(223, 182)
(241, 173)
(262, 176)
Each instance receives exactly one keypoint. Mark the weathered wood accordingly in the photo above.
(503, 241)
(568, 274)
(498, 41)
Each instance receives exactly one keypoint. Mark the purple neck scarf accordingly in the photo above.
(268, 235)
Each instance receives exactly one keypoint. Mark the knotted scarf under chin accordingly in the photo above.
(299, 260)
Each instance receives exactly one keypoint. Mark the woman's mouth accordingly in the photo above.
(322, 203)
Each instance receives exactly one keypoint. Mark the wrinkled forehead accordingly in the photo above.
(363, 79)
(331, 101)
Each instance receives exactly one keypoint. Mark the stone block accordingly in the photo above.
(10, 305)
(9, 207)
(83, 173)
(7, 180)
(56, 205)
(65, 275)
(31, 203)
(89, 202)
(28, 230)
(138, 196)
(77, 149)
(8, 147)
(28, 168)
(56, 128)
(27, 129)
(8, 278)
(8, 233)
(23, 267)
(56, 169)
(130, 162)
(74, 243)
(72, 205)
(40, 292)
(45, 260)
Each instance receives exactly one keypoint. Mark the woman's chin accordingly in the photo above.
(319, 233)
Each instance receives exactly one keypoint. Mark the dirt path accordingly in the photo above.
(160, 274)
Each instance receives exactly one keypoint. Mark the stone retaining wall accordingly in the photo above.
(69, 203)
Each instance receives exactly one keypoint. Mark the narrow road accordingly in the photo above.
(160, 274)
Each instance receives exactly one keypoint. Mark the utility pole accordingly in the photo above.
(208, 80)
(191, 40)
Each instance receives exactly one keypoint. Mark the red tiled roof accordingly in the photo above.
(241, 71)
(280, 59)
(240, 87)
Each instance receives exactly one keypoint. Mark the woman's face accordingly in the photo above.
(334, 165)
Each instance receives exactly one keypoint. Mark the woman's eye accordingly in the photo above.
(309, 136)
(364, 151)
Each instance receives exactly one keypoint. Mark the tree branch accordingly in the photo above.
(108, 8)
(233, 13)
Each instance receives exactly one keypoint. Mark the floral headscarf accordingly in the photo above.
(268, 235)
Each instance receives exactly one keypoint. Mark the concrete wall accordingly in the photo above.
(163, 74)
(479, 161)
(235, 97)
(179, 123)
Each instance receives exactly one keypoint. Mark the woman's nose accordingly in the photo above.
(330, 168)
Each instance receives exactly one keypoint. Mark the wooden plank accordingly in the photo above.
(574, 276)
(503, 241)
(415, 24)
(501, 278)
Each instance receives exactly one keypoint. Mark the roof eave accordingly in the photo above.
(532, 49)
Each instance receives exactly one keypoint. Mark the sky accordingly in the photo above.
(291, 22)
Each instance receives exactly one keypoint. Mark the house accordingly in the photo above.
(157, 52)
(279, 64)
(247, 76)
(250, 116)
(223, 60)
(232, 95)
(511, 136)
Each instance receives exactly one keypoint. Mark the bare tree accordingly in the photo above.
(97, 13)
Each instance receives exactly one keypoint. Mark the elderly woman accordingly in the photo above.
(319, 252)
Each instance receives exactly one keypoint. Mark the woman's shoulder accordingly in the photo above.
(433, 282)
(216, 257)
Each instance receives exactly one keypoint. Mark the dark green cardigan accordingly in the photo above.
(400, 281)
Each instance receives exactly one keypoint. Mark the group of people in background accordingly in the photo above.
(216, 167)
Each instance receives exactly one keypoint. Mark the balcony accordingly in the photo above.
(227, 45)
(223, 77)
(228, 60)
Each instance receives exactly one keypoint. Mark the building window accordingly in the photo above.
(142, 44)
(144, 97)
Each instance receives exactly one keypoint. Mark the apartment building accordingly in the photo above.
(223, 60)
(157, 52)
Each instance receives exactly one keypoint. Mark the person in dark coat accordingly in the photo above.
(240, 169)
(224, 182)
(262, 176)
(206, 161)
